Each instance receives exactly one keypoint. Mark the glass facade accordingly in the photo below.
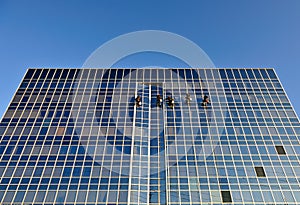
(77, 136)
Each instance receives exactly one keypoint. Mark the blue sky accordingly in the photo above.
(60, 33)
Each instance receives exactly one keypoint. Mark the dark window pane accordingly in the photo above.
(256, 73)
(229, 73)
(64, 74)
(44, 73)
(280, 150)
(236, 73)
(50, 74)
(127, 71)
(271, 73)
(29, 73)
(37, 73)
(57, 73)
(105, 75)
(120, 74)
(226, 196)
(188, 73)
(264, 73)
(113, 74)
(223, 74)
(243, 73)
(260, 171)
(250, 73)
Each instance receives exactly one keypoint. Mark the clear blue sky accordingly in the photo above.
(60, 33)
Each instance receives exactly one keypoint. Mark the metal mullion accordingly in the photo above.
(193, 134)
(132, 150)
(165, 113)
(165, 147)
(118, 112)
(87, 88)
(229, 148)
(77, 89)
(210, 140)
(170, 83)
(141, 149)
(84, 160)
(184, 134)
(99, 130)
(164, 136)
(125, 125)
(105, 148)
(141, 140)
(149, 143)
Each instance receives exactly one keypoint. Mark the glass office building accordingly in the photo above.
(77, 136)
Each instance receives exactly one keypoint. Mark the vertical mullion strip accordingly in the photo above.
(187, 141)
(97, 85)
(132, 145)
(117, 122)
(128, 80)
(167, 179)
(193, 122)
(77, 82)
(149, 140)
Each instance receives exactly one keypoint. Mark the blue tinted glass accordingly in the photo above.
(264, 73)
(250, 73)
(222, 73)
(229, 73)
(271, 73)
(256, 73)
(108, 145)
(236, 73)
(188, 73)
(243, 73)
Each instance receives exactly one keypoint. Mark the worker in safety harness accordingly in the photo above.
(170, 102)
(158, 101)
(205, 101)
(188, 98)
(138, 101)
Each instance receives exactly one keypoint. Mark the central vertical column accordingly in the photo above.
(148, 175)
(140, 165)
(157, 191)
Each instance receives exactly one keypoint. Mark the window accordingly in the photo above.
(60, 131)
(260, 172)
(280, 150)
(226, 196)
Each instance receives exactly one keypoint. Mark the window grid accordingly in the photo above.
(34, 157)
